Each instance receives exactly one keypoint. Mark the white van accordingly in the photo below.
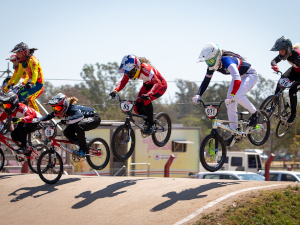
(263, 156)
(240, 161)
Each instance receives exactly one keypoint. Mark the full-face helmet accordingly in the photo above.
(211, 54)
(130, 66)
(10, 102)
(59, 104)
(21, 48)
(283, 43)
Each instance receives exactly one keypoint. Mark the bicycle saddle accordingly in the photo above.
(243, 113)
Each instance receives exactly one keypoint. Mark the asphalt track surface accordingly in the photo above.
(25, 199)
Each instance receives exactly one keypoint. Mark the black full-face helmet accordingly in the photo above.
(283, 43)
(10, 102)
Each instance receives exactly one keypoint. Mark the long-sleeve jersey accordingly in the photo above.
(24, 112)
(33, 68)
(294, 60)
(230, 66)
(75, 113)
(11, 80)
(149, 75)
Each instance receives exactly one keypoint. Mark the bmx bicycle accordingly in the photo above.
(213, 150)
(123, 139)
(277, 106)
(31, 157)
(50, 164)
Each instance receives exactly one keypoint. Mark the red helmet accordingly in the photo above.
(59, 104)
(21, 48)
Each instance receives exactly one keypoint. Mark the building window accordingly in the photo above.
(180, 146)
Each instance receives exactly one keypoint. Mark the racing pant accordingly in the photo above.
(145, 107)
(248, 82)
(31, 95)
(293, 76)
(21, 131)
(76, 131)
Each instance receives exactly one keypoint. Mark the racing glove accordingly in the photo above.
(145, 97)
(275, 68)
(113, 94)
(16, 120)
(29, 86)
(64, 121)
(195, 99)
(229, 100)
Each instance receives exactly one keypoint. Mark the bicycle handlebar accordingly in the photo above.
(204, 105)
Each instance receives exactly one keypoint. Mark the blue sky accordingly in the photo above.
(69, 34)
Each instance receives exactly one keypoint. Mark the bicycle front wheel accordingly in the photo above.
(2, 158)
(212, 153)
(259, 134)
(34, 155)
(162, 131)
(98, 155)
(50, 166)
(282, 126)
(122, 144)
(269, 106)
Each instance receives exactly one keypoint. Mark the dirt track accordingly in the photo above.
(25, 199)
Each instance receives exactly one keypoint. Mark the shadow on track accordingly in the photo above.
(9, 176)
(44, 189)
(189, 194)
(108, 192)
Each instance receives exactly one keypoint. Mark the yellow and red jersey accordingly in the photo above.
(34, 70)
(11, 80)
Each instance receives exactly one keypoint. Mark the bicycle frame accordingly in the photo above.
(6, 141)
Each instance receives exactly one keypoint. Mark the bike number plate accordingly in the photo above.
(126, 106)
(49, 131)
(285, 82)
(211, 111)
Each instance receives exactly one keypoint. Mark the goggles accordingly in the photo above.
(6, 105)
(212, 61)
(56, 108)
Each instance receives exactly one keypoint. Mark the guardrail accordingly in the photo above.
(131, 164)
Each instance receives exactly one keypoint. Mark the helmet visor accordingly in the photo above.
(211, 61)
(131, 73)
(6, 105)
(56, 108)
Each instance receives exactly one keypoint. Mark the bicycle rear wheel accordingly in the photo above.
(2, 159)
(162, 131)
(269, 106)
(50, 166)
(212, 153)
(122, 145)
(259, 134)
(98, 155)
(282, 126)
(34, 155)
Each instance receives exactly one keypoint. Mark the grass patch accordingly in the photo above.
(263, 207)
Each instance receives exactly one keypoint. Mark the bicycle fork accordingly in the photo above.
(215, 150)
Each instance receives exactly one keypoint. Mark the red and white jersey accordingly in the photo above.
(24, 112)
(149, 75)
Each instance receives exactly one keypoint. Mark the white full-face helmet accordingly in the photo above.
(211, 54)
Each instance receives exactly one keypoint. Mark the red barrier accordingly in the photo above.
(24, 167)
(267, 167)
(283, 160)
(168, 164)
